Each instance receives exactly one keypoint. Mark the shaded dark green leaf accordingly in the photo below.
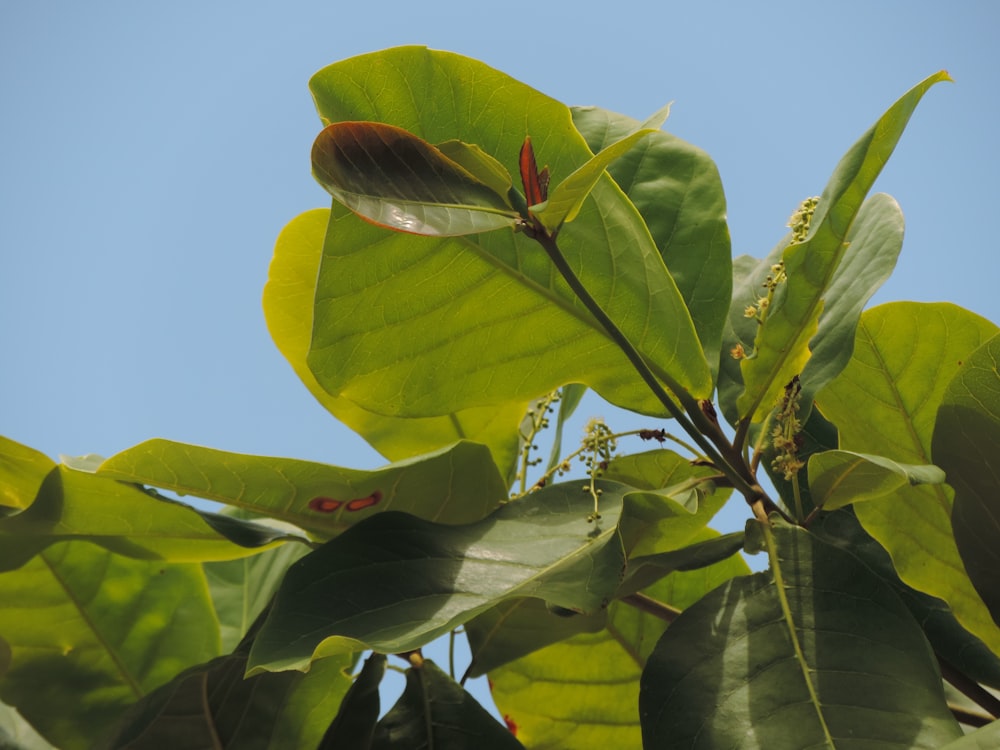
(354, 725)
(435, 712)
(966, 442)
(828, 657)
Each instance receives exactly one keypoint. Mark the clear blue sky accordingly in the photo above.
(151, 152)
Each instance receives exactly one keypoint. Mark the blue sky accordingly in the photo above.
(151, 153)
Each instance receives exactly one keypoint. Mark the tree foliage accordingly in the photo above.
(490, 254)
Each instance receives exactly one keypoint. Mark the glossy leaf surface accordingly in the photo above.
(455, 485)
(677, 189)
(966, 441)
(781, 348)
(394, 179)
(288, 308)
(492, 312)
(885, 403)
(100, 631)
(394, 582)
(816, 653)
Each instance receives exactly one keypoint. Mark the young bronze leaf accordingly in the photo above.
(392, 178)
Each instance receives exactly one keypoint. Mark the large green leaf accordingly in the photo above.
(425, 326)
(817, 652)
(951, 642)
(61, 504)
(455, 485)
(435, 712)
(839, 478)
(396, 180)
(677, 189)
(966, 442)
(288, 309)
(99, 631)
(885, 403)
(212, 705)
(394, 582)
(782, 345)
(582, 692)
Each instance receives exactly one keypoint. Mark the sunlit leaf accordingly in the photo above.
(782, 345)
(99, 631)
(395, 582)
(823, 656)
(455, 485)
(966, 442)
(394, 179)
(984, 738)
(677, 189)
(492, 312)
(17, 734)
(62, 504)
(885, 403)
(435, 712)
(288, 309)
(839, 478)
(568, 195)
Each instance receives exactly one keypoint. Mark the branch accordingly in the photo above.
(969, 688)
(652, 606)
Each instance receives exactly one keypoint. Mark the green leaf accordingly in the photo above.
(644, 570)
(354, 725)
(675, 501)
(241, 589)
(839, 478)
(22, 472)
(288, 309)
(984, 738)
(951, 642)
(65, 504)
(493, 322)
(516, 627)
(966, 442)
(816, 653)
(568, 195)
(455, 485)
(781, 348)
(677, 189)
(99, 631)
(212, 705)
(394, 179)
(885, 403)
(582, 692)
(435, 712)
(17, 734)
(394, 582)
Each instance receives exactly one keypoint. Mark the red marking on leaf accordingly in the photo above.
(365, 502)
(324, 504)
(511, 724)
